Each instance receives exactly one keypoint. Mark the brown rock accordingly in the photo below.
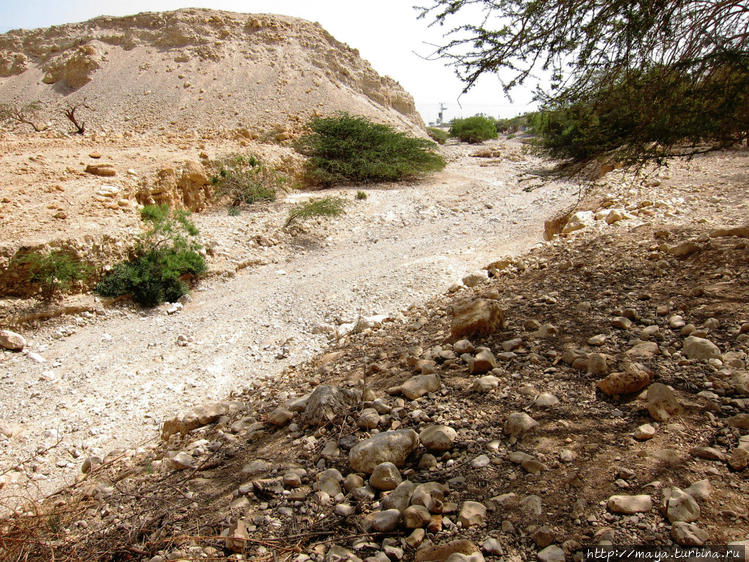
(662, 402)
(478, 318)
(625, 383)
(11, 340)
(105, 170)
(442, 552)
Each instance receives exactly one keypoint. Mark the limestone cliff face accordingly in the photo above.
(197, 69)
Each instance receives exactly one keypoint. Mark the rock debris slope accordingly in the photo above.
(197, 69)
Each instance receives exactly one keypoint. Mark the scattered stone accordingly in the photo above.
(400, 497)
(681, 506)
(383, 521)
(280, 416)
(12, 341)
(438, 438)
(198, 417)
(369, 418)
(519, 423)
(104, 170)
(485, 384)
(701, 349)
(688, 534)
(597, 340)
(329, 481)
(565, 455)
(463, 346)
(684, 249)
(622, 323)
(740, 421)
(482, 461)
(597, 364)
(546, 400)
(385, 476)
(578, 221)
(389, 446)
(182, 460)
(237, 536)
(440, 553)
(543, 536)
(700, 490)
(628, 382)
(483, 362)
(662, 402)
(644, 432)
(416, 516)
(551, 554)
(481, 317)
(474, 279)
(643, 350)
(708, 453)
(419, 385)
(327, 403)
(630, 504)
(739, 459)
(676, 322)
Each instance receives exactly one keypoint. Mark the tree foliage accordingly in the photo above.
(346, 148)
(680, 67)
(24, 114)
(54, 271)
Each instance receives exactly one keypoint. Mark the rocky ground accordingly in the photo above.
(592, 390)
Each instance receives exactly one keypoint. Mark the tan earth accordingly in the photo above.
(650, 270)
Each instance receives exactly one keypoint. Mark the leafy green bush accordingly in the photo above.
(54, 271)
(245, 179)
(361, 195)
(473, 129)
(345, 149)
(325, 207)
(165, 255)
(513, 124)
(439, 136)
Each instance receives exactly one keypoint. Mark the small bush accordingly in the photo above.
(325, 207)
(345, 149)
(473, 129)
(361, 195)
(439, 136)
(54, 271)
(166, 254)
(245, 179)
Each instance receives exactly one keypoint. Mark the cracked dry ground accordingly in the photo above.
(259, 481)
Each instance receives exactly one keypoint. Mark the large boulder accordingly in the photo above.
(389, 446)
(11, 340)
(480, 317)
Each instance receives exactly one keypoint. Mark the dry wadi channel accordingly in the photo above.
(106, 379)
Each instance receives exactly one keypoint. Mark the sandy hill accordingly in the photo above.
(196, 69)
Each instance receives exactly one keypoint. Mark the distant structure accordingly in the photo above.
(441, 114)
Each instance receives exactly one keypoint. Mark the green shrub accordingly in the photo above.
(361, 195)
(473, 129)
(245, 179)
(345, 149)
(439, 136)
(165, 255)
(325, 207)
(54, 272)
(513, 124)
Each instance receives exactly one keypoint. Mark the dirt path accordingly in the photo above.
(108, 380)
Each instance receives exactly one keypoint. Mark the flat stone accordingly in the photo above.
(644, 432)
(740, 421)
(481, 461)
(739, 459)
(551, 553)
(440, 553)
(105, 170)
(700, 490)
(708, 453)
(700, 349)
(598, 339)
(627, 382)
(688, 534)
(383, 521)
(472, 514)
(487, 383)
(643, 350)
(419, 385)
(622, 323)
(630, 504)
(546, 400)
(389, 446)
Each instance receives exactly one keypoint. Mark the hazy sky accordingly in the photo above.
(386, 33)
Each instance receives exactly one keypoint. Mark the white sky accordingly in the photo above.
(386, 32)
